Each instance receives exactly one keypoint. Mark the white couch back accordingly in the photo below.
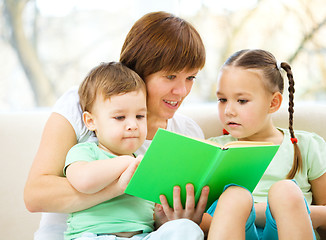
(20, 137)
(309, 116)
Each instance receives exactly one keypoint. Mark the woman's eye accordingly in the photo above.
(119, 117)
(170, 77)
(191, 78)
(222, 100)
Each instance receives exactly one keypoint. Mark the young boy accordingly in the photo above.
(113, 101)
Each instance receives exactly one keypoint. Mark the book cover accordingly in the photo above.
(176, 160)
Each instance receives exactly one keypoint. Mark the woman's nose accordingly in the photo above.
(180, 88)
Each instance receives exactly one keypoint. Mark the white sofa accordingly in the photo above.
(21, 132)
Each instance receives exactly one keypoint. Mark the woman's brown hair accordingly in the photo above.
(161, 41)
(266, 62)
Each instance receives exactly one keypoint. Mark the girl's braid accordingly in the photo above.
(297, 160)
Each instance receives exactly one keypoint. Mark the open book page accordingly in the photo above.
(246, 144)
(234, 144)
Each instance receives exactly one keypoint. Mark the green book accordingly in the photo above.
(176, 160)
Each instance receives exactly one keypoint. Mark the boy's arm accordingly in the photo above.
(92, 177)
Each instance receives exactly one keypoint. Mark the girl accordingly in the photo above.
(250, 87)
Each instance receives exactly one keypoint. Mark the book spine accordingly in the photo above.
(211, 169)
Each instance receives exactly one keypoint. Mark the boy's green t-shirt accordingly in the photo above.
(124, 213)
(313, 151)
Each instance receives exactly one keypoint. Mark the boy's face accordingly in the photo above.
(244, 103)
(120, 122)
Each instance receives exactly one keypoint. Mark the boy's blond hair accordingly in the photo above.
(108, 79)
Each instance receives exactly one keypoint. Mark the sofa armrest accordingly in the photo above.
(21, 133)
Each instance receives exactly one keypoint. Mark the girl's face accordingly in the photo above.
(166, 91)
(244, 104)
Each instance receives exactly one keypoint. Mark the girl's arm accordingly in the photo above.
(318, 210)
(92, 177)
(46, 189)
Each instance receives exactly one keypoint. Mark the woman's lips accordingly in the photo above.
(171, 103)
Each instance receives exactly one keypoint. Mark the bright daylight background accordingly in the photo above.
(49, 46)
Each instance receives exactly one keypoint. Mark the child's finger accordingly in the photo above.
(139, 158)
(133, 166)
(128, 173)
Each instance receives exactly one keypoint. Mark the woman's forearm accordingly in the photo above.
(46, 189)
(54, 194)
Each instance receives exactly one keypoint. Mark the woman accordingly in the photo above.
(167, 52)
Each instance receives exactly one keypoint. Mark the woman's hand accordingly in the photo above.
(164, 213)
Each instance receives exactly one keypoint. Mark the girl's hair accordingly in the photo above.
(161, 41)
(108, 79)
(266, 62)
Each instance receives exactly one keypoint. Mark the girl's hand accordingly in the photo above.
(125, 177)
(164, 213)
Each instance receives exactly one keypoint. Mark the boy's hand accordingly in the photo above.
(127, 174)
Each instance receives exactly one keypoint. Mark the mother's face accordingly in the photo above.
(166, 91)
